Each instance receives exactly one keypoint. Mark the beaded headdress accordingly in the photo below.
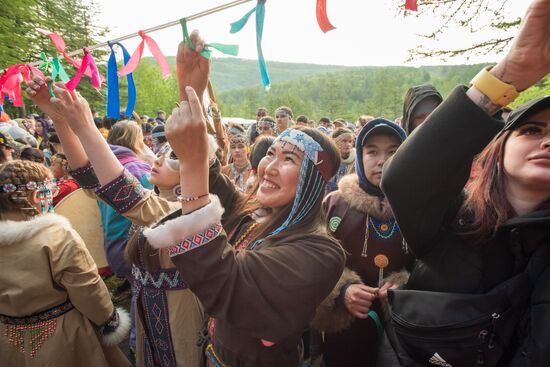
(44, 189)
(315, 172)
(238, 139)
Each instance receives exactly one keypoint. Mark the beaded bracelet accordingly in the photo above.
(188, 199)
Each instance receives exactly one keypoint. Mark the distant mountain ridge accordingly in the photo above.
(234, 73)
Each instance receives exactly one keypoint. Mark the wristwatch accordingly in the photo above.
(499, 93)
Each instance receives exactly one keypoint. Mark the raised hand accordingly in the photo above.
(37, 89)
(192, 69)
(73, 107)
(186, 131)
(528, 60)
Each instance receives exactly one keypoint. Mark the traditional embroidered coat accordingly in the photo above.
(262, 299)
(169, 318)
(45, 263)
(367, 230)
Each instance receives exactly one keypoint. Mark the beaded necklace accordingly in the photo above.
(383, 230)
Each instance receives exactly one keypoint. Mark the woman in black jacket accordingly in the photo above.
(469, 241)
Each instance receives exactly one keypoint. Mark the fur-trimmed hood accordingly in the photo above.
(12, 232)
(359, 200)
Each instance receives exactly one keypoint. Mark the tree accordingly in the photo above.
(474, 15)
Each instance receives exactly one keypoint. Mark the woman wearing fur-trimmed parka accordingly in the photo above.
(360, 217)
(54, 308)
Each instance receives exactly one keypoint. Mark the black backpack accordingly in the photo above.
(455, 330)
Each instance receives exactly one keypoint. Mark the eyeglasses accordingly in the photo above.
(264, 128)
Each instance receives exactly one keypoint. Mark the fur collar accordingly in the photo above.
(359, 200)
(13, 232)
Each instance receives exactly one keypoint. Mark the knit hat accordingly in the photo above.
(374, 127)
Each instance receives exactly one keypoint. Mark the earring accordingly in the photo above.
(177, 190)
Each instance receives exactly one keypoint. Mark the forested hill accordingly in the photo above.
(377, 91)
(313, 90)
(234, 73)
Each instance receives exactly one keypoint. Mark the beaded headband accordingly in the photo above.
(10, 188)
(238, 139)
(312, 150)
(267, 122)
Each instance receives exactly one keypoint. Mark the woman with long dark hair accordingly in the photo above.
(472, 241)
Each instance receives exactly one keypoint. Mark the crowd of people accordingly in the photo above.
(416, 241)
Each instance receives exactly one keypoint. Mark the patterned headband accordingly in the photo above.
(10, 188)
(238, 139)
(312, 150)
(267, 122)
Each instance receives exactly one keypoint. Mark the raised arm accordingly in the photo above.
(425, 178)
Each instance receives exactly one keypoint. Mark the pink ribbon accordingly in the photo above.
(10, 82)
(411, 5)
(132, 64)
(322, 17)
(60, 45)
(88, 62)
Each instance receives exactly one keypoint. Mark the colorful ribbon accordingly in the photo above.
(113, 97)
(322, 17)
(87, 62)
(232, 50)
(260, 16)
(10, 82)
(411, 5)
(132, 64)
(59, 43)
(53, 65)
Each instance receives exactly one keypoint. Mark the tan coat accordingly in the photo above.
(186, 316)
(44, 263)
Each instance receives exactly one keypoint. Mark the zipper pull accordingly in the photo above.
(495, 317)
(481, 338)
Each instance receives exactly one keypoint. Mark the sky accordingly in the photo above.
(368, 32)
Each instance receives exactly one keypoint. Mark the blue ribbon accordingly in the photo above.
(113, 96)
(260, 16)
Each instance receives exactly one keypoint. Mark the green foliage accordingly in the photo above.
(377, 91)
(542, 88)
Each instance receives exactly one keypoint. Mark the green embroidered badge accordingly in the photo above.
(333, 223)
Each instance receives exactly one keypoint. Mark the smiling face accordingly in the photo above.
(278, 173)
(162, 175)
(527, 154)
(376, 151)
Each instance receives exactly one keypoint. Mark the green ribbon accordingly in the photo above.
(379, 327)
(232, 50)
(56, 68)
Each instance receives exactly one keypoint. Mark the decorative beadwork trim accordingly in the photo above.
(123, 193)
(85, 176)
(36, 334)
(166, 279)
(46, 315)
(200, 239)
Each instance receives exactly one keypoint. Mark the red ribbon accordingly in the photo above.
(411, 5)
(322, 17)
(10, 82)
(132, 64)
(88, 63)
